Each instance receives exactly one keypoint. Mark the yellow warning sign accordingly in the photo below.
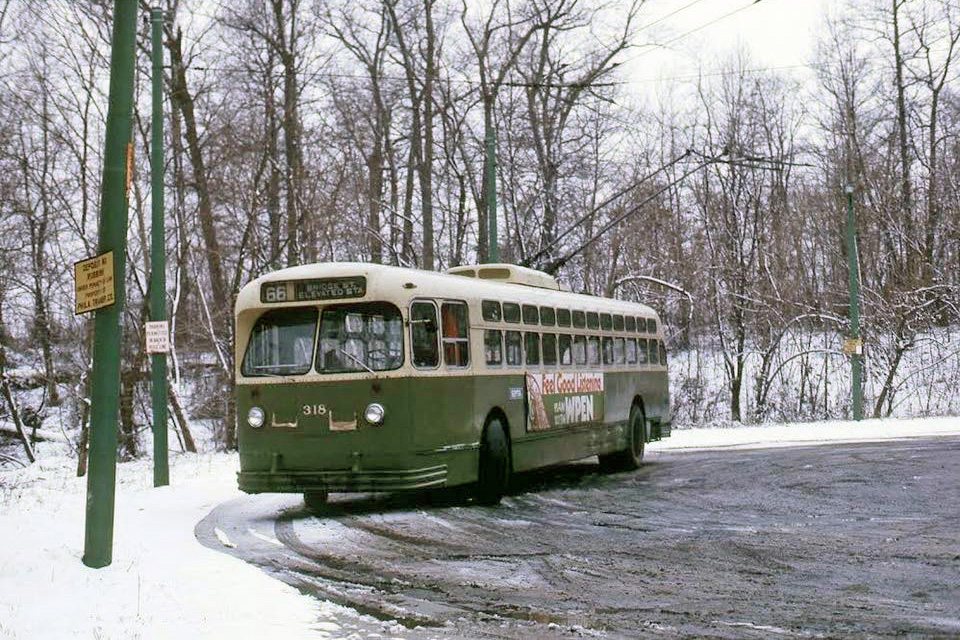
(853, 346)
(93, 283)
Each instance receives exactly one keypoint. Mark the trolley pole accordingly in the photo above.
(490, 140)
(855, 348)
(158, 279)
(105, 391)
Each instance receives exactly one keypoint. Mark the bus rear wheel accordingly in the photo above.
(631, 457)
(494, 472)
(315, 500)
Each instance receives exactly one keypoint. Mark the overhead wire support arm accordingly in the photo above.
(531, 261)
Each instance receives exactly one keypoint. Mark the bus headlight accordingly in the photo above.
(255, 417)
(374, 414)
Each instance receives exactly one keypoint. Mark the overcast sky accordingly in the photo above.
(778, 33)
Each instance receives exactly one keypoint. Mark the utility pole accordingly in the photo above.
(112, 239)
(158, 279)
(853, 346)
(490, 184)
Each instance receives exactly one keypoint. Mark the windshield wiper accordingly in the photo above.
(270, 374)
(358, 361)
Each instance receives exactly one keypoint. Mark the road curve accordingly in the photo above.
(858, 540)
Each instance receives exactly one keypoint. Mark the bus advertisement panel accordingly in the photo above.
(562, 399)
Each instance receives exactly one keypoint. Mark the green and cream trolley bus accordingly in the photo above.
(359, 377)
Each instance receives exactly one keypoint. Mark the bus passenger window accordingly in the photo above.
(651, 325)
(631, 351)
(579, 319)
(490, 310)
(532, 348)
(549, 349)
(548, 317)
(606, 321)
(530, 314)
(593, 320)
(641, 325)
(563, 317)
(642, 351)
(630, 323)
(456, 341)
(580, 349)
(511, 312)
(566, 350)
(652, 351)
(423, 335)
(607, 350)
(593, 350)
(514, 345)
(618, 355)
(618, 323)
(493, 347)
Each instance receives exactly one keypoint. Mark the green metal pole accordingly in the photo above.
(105, 391)
(856, 357)
(158, 279)
(490, 138)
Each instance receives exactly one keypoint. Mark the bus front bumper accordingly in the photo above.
(341, 480)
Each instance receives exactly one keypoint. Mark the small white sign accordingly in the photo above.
(158, 337)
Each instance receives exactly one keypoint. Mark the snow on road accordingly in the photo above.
(164, 584)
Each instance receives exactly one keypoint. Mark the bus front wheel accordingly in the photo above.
(494, 471)
(630, 458)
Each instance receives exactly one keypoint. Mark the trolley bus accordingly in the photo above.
(359, 377)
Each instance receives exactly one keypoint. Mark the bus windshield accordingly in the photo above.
(281, 343)
(360, 337)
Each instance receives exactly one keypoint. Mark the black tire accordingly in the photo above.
(630, 458)
(494, 469)
(315, 500)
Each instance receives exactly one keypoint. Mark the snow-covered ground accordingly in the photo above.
(164, 584)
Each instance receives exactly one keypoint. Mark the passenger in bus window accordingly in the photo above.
(493, 346)
(566, 352)
(455, 341)
(514, 347)
(580, 349)
(607, 350)
(593, 349)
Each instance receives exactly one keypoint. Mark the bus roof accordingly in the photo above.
(506, 283)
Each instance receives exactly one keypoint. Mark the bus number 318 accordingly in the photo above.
(314, 409)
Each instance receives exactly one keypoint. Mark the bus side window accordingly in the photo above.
(651, 325)
(490, 309)
(493, 346)
(580, 349)
(514, 344)
(618, 355)
(653, 350)
(566, 350)
(593, 349)
(549, 348)
(532, 348)
(607, 350)
(456, 343)
(631, 351)
(423, 335)
(642, 351)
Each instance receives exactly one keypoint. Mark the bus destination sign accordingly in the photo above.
(314, 289)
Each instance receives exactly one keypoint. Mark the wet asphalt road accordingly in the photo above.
(837, 540)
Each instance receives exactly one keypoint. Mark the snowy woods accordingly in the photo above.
(314, 130)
